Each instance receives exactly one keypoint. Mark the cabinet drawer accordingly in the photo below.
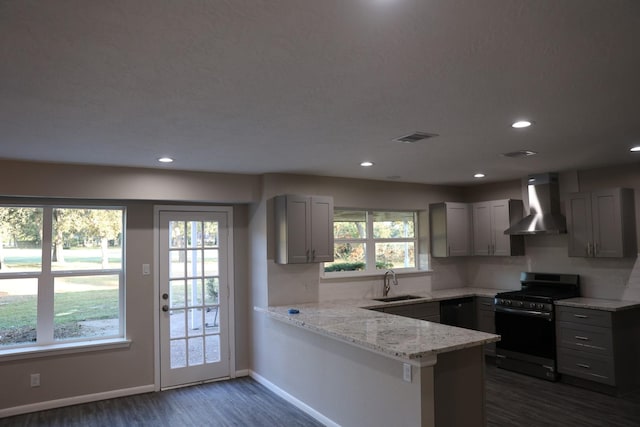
(592, 339)
(584, 316)
(586, 365)
(484, 303)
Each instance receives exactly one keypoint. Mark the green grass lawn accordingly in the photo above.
(18, 313)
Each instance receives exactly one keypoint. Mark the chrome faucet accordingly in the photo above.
(387, 285)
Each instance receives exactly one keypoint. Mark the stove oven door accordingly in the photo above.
(528, 342)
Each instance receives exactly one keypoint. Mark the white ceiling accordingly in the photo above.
(315, 87)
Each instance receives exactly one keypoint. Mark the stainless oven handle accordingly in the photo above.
(528, 313)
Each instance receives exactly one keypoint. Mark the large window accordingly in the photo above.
(370, 241)
(61, 274)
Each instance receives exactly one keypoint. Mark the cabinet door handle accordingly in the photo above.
(581, 316)
(488, 304)
(589, 249)
(578, 337)
(313, 255)
(595, 249)
(583, 365)
(307, 255)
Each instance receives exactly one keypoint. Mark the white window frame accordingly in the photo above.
(370, 241)
(45, 343)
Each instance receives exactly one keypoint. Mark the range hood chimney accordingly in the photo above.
(544, 204)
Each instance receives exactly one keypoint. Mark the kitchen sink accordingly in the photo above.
(397, 298)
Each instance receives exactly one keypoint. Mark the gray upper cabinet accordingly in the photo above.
(303, 229)
(602, 224)
(450, 229)
(490, 220)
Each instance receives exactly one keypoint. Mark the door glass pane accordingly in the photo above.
(194, 234)
(211, 319)
(86, 239)
(177, 264)
(177, 234)
(212, 291)
(212, 348)
(211, 267)
(210, 234)
(86, 307)
(177, 293)
(18, 311)
(20, 239)
(178, 354)
(177, 324)
(194, 292)
(196, 351)
(195, 321)
(194, 263)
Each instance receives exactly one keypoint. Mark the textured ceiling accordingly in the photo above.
(315, 87)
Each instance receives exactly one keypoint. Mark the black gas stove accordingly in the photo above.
(525, 321)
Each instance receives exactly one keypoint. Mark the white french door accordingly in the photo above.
(194, 297)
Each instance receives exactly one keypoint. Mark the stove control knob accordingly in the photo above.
(508, 302)
(532, 305)
(520, 304)
(540, 306)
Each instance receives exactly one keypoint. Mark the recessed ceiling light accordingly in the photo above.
(479, 175)
(635, 149)
(366, 164)
(521, 124)
(165, 160)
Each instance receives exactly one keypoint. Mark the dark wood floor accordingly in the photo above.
(516, 400)
(241, 402)
(513, 400)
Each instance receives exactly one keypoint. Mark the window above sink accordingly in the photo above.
(370, 242)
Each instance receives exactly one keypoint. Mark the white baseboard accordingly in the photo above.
(242, 373)
(293, 400)
(58, 403)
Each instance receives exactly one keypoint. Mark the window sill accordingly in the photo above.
(354, 275)
(62, 348)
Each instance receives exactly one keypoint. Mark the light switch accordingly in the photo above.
(146, 269)
(406, 372)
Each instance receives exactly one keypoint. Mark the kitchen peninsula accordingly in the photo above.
(385, 369)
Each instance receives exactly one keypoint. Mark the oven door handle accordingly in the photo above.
(527, 313)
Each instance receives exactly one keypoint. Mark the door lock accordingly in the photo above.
(165, 296)
(165, 308)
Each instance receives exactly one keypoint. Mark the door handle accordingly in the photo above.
(165, 307)
(578, 337)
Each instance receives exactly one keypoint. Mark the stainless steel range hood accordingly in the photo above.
(544, 204)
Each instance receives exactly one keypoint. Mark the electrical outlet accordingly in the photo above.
(35, 380)
(406, 372)
(146, 269)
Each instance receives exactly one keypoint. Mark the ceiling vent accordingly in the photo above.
(518, 154)
(414, 137)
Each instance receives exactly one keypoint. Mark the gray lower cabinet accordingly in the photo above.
(599, 346)
(429, 311)
(486, 321)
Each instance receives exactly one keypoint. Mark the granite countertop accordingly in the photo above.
(404, 338)
(598, 304)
